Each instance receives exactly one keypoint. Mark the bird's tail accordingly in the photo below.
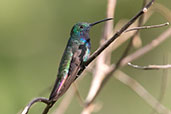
(52, 97)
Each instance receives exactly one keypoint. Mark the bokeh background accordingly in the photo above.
(33, 35)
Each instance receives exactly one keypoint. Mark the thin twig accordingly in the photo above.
(165, 35)
(150, 67)
(148, 27)
(39, 99)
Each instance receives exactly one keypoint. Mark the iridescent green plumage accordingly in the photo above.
(77, 50)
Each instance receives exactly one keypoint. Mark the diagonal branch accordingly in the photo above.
(116, 35)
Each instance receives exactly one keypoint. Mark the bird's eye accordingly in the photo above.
(81, 27)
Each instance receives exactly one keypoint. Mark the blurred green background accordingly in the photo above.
(33, 35)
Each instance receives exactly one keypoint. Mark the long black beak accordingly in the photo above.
(92, 24)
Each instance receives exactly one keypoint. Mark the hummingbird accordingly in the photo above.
(76, 52)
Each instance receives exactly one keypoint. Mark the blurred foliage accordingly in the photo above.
(32, 39)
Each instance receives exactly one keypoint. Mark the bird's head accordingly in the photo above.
(82, 28)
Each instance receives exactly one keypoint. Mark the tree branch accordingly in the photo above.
(39, 99)
(150, 67)
(148, 27)
(116, 35)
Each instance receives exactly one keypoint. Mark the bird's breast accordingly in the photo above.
(85, 48)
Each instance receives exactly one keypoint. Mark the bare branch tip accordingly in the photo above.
(167, 23)
(145, 10)
(25, 111)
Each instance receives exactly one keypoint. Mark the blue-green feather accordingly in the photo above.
(66, 66)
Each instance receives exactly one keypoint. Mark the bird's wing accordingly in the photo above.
(61, 85)
(73, 70)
